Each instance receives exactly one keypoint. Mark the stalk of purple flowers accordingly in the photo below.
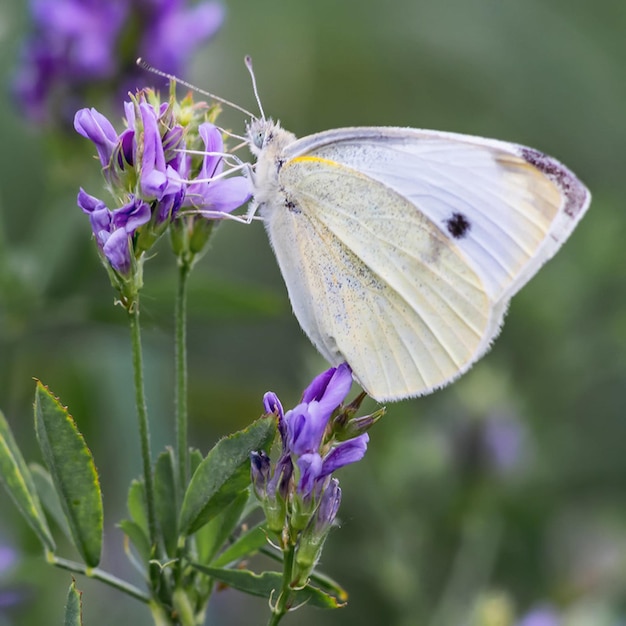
(300, 497)
(147, 168)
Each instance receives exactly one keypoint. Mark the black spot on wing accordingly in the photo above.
(458, 225)
(289, 203)
(575, 192)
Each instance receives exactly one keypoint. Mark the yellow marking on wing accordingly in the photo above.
(316, 160)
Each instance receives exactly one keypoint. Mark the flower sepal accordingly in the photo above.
(311, 542)
(345, 426)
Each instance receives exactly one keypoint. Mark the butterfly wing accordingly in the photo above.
(401, 248)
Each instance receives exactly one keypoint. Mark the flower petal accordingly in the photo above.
(345, 453)
(117, 251)
(96, 127)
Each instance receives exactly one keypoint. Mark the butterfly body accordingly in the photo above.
(401, 248)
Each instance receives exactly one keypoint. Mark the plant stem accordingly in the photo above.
(101, 575)
(283, 601)
(142, 415)
(181, 376)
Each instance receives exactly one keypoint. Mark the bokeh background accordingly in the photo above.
(500, 494)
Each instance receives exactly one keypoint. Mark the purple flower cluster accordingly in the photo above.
(310, 454)
(147, 168)
(76, 45)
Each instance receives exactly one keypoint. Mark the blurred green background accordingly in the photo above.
(504, 491)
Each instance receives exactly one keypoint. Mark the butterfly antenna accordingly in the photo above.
(146, 66)
(248, 62)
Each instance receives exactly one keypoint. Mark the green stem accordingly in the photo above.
(101, 575)
(283, 602)
(142, 415)
(181, 376)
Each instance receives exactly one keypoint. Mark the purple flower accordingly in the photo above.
(172, 32)
(307, 422)
(306, 442)
(260, 467)
(113, 229)
(327, 509)
(301, 499)
(147, 169)
(222, 195)
(93, 125)
(76, 45)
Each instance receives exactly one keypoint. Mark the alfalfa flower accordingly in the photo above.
(153, 177)
(301, 497)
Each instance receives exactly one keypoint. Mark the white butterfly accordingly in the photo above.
(401, 248)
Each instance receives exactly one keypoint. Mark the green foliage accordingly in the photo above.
(166, 499)
(267, 585)
(73, 473)
(74, 606)
(20, 485)
(49, 497)
(212, 536)
(223, 474)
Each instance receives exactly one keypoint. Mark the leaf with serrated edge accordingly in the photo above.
(19, 484)
(74, 606)
(223, 474)
(73, 473)
(268, 585)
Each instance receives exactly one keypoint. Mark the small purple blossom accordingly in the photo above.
(320, 435)
(113, 229)
(328, 507)
(172, 32)
(310, 451)
(93, 125)
(147, 168)
(76, 45)
(307, 422)
(221, 195)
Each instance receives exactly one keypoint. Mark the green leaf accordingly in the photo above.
(20, 486)
(74, 606)
(136, 504)
(223, 475)
(211, 537)
(73, 473)
(248, 544)
(138, 538)
(268, 584)
(195, 458)
(49, 497)
(165, 499)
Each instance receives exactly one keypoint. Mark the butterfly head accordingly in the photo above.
(266, 134)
